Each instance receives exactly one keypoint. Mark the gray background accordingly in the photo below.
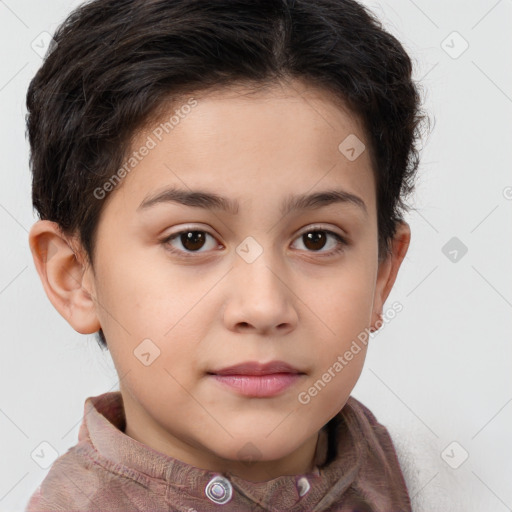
(438, 376)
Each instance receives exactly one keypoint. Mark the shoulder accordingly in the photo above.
(361, 410)
(368, 432)
(376, 450)
(77, 482)
(356, 412)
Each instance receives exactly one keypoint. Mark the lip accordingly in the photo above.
(258, 380)
(256, 368)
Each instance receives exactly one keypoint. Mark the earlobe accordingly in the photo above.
(63, 276)
(388, 270)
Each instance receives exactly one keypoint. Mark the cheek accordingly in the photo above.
(344, 301)
(338, 365)
(343, 309)
(327, 390)
(136, 289)
(141, 305)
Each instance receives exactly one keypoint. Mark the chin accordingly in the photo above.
(257, 449)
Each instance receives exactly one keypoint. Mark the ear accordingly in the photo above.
(66, 281)
(388, 270)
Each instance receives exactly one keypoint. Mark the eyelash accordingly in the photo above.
(342, 243)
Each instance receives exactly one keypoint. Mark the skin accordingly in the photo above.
(214, 309)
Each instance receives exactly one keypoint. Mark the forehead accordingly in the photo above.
(239, 142)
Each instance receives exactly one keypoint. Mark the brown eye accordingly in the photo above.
(314, 240)
(191, 241)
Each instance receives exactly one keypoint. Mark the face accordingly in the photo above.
(184, 286)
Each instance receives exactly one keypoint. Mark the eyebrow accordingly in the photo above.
(212, 201)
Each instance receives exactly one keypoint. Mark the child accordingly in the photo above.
(221, 188)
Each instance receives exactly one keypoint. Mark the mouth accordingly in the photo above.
(257, 380)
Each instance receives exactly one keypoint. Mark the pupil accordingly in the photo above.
(192, 240)
(315, 236)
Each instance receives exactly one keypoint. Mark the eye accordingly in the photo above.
(315, 239)
(190, 239)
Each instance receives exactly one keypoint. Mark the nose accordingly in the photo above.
(260, 297)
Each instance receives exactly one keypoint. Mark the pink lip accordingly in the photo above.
(258, 380)
(255, 368)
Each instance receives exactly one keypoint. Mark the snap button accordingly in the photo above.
(303, 486)
(219, 490)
